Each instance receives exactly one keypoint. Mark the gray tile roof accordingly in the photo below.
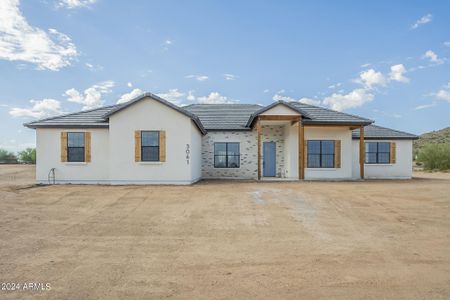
(320, 115)
(378, 132)
(223, 116)
(93, 118)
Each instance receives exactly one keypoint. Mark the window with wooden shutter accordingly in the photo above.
(337, 154)
(63, 146)
(162, 145)
(137, 145)
(393, 153)
(87, 147)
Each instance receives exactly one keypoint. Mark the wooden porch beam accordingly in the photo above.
(301, 152)
(361, 152)
(258, 129)
(332, 125)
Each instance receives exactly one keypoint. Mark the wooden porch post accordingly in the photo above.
(258, 128)
(361, 152)
(301, 152)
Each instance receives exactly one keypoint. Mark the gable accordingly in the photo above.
(280, 109)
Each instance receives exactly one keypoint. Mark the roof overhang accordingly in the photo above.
(66, 125)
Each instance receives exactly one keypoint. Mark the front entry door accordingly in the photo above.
(269, 159)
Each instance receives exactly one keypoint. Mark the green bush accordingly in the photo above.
(435, 156)
(7, 157)
(27, 156)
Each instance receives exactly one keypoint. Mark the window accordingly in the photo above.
(226, 155)
(150, 145)
(320, 154)
(75, 147)
(378, 152)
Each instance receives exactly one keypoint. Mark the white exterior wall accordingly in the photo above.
(152, 115)
(401, 169)
(48, 151)
(195, 153)
(332, 133)
(291, 151)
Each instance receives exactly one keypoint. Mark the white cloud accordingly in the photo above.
(371, 78)
(214, 98)
(355, 98)
(39, 109)
(130, 85)
(190, 96)
(424, 106)
(172, 95)
(266, 91)
(310, 101)
(92, 97)
(447, 44)
(335, 86)
(19, 41)
(278, 97)
(197, 77)
(129, 96)
(443, 95)
(422, 21)
(93, 68)
(433, 57)
(168, 42)
(397, 72)
(73, 4)
(229, 76)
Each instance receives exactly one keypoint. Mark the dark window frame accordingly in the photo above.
(320, 154)
(377, 156)
(69, 147)
(227, 156)
(150, 147)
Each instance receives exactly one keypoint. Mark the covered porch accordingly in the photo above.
(282, 146)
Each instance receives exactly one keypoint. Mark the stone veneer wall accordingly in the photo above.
(248, 151)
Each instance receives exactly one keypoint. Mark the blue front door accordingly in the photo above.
(269, 159)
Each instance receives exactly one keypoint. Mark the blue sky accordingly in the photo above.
(389, 61)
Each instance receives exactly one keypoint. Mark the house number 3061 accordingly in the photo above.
(188, 152)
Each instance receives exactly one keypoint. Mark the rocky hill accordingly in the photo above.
(433, 137)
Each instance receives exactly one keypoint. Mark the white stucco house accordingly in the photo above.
(152, 141)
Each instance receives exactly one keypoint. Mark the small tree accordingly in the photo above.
(7, 157)
(27, 156)
(435, 156)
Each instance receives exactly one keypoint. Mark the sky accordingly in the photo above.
(385, 60)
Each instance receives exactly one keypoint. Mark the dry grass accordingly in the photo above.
(216, 240)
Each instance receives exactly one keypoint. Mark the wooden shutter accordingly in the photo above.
(63, 146)
(137, 145)
(87, 147)
(305, 153)
(337, 153)
(162, 145)
(393, 154)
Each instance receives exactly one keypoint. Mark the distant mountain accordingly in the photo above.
(433, 137)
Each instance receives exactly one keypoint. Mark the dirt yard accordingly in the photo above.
(227, 240)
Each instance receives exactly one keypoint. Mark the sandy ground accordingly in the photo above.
(227, 240)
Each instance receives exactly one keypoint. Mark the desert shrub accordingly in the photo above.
(435, 156)
(7, 157)
(27, 156)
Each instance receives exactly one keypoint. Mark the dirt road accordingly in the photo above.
(217, 240)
